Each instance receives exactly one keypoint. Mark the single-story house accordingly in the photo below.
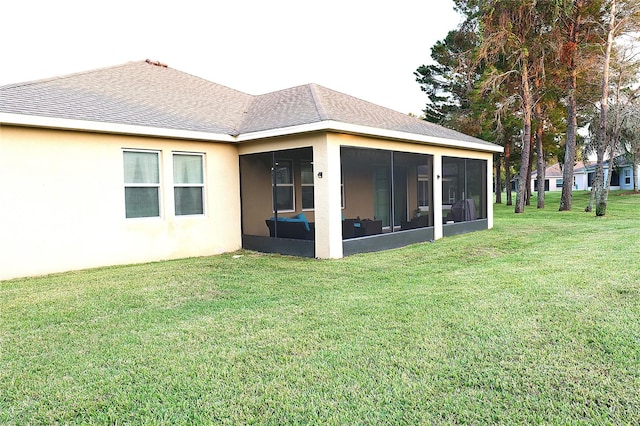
(622, 174)
(553, 177)
(584, 173)
(141, 162)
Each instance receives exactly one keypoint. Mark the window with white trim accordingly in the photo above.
(188, 184)
(141, 183)
(627, 177)
(306, 181)
(424, 186)
(283, 191)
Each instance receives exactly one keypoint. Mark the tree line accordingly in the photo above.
(528, 74)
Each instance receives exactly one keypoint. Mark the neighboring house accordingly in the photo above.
(622, 177)
(141, 162)
(553, 177)
(580, 176)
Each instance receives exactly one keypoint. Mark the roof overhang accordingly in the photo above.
(320, 126)
(112, 128)
(354, 129)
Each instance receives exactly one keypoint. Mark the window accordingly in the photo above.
(188, 181)
(615, 178)
(559, 183)
(141, 184)
(306, 179)
(627, 177)
(546, 185)
(424, 187)
(283, 190)
(452, 180)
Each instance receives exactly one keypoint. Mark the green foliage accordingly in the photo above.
(508, 326)
(524, 54)
(449, 80)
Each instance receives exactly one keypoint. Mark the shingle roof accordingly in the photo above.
(555, 170)
(312, 103)
(149, 94)
(137, 93)
(618, 162)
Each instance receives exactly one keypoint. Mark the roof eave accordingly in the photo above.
(355, 129)
(115, 128)
(327, 126)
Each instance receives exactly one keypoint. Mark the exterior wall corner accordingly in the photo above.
(327, 178)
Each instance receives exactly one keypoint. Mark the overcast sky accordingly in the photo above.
(365, 48)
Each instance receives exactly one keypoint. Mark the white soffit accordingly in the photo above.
(329, 125)
(368, 131)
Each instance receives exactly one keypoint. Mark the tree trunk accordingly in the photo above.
(532, 149)
(592, 193)
(598, 181)
(601, 190)
(614, 137)
(498, 162)
(570, 150)
(526, 137)
(527, 195)
(572, 121)
(634, 173)
(507, 172)
(540, 164)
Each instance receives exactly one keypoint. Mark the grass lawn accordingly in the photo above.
(535, 321)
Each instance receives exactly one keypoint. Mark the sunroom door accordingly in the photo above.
(382, 195)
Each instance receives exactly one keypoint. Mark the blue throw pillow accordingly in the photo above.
(304, 220)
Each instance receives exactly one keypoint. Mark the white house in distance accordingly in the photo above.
(553, 177)
(140, 162)
(622, 177)
(583, 175)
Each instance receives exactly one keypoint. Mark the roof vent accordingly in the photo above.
(156, 63)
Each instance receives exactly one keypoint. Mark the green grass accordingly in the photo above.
(535, 321)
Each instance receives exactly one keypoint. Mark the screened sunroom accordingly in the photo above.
(382, 198)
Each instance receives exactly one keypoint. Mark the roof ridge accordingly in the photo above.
(66, 76)
(317, 101)
(239, 124)
(360, 99)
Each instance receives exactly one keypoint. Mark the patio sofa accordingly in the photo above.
(297, 228)
(354, 228)
(416, 222)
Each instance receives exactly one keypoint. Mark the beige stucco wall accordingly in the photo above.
(62, 198)
(62, 201)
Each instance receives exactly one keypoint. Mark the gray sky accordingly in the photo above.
(365, 48)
